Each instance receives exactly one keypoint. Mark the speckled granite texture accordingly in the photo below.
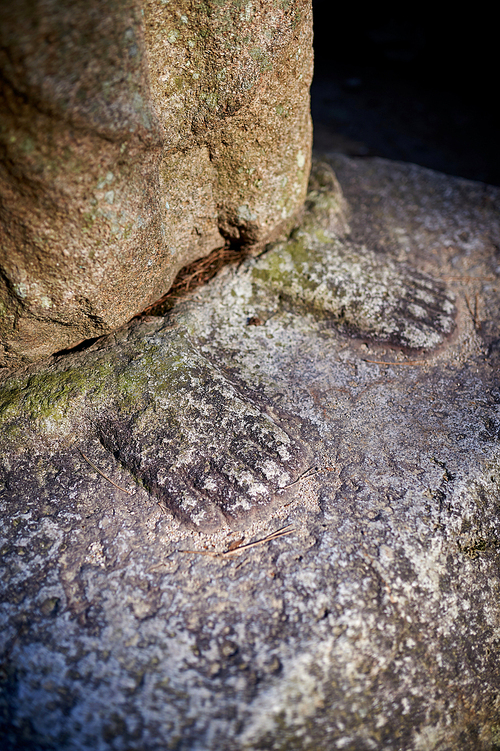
(126, 624)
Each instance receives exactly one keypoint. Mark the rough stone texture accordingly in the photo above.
(195, 441)
(80, 202)
(376, 623)
(230, 83)
(362, 293)
(135, 140)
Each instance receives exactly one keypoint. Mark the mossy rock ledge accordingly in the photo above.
(342, 388)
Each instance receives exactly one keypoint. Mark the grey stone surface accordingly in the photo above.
(375, 623)
(135, 138)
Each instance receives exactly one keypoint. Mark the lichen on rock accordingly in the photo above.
(364, 294)
(375, 623)
(207, 449)
(137, 138)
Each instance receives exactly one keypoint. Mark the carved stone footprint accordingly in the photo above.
(208, 450)
(200, 444)
(365, 294)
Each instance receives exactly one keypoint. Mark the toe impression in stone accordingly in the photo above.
(203, 448)
(365, 294)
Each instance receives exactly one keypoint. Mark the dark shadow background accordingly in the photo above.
(408, 86)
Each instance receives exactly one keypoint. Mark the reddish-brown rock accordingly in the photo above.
(135, 140)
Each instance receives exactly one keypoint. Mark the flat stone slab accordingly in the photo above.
(147, 602)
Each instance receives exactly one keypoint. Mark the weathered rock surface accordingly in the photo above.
(134, 140)
(230, 83)
(376, 622)
(174, 421)
(362, 293)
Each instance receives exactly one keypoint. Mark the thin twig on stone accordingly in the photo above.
(103, 475)
(382, 362)
(195, 275)
(231, 551)
(273, 536)
(467, 279)
(304, 476)
(474, 313)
